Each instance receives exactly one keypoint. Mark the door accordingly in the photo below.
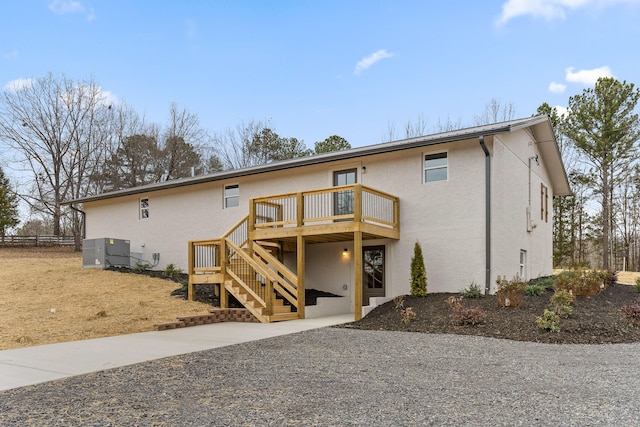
(373, 273)
(343, 200)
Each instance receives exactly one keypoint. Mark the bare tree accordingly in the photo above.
(494, 112)
(55, 126)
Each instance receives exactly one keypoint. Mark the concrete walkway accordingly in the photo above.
(33, 365)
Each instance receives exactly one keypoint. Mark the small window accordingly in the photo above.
(231, 196)
(544, 203)
(523, 264)
(144, 208)
(435, 167)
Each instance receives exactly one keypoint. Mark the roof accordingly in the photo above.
(539, 125)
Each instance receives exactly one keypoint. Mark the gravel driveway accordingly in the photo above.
(333, 377)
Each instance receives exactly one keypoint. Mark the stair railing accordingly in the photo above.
(286, 282)
(256, 278)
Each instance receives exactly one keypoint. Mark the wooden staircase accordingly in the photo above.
(280, 311)
(247, 270)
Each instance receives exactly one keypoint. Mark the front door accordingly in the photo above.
(343, 200)
(373, 273)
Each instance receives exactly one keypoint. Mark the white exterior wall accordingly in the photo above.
(446, 217)
(510, 183)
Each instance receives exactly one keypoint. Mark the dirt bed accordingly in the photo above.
(47, 297)
(595, 320)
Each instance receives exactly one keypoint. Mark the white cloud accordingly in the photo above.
(557, 87)
(367, 62)
(550, 9)
(18, 84)
(587, 77)
(11, 55)
(61, 7)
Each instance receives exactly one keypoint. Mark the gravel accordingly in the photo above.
(333, 376)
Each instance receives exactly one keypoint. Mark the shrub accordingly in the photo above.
(638, 284)
(142, 266)
(461, 315)
(408, 315)
(584, 283)
(418, 273)
(561, 303)
(534, 290)
(610, 277)
(545, 282)
(171, 271)
(398, 301)
(510, 292)
(549, 321)
(184, 285)
(632, 313)
(473, 291)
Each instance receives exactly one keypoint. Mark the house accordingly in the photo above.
(478, 200)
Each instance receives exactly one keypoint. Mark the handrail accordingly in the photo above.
(265, 299)
(353, 202)
(287, 281)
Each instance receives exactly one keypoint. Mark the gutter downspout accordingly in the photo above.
(487, 190)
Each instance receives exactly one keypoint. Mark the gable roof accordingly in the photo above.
(540, 127)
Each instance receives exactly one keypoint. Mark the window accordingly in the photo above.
(544, 203)
(231, 196)
(144, 208)
(343, 200)
(435, 167)
(523, 264)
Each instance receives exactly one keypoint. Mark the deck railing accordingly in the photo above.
(344, 203)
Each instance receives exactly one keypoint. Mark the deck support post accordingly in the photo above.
(357, 275)
(300, 269)
(223, 269)
(191, 260)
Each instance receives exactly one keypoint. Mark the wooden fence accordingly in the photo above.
(37, 241)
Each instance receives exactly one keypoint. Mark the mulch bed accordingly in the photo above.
(595, 320)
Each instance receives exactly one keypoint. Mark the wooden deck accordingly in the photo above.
(243, 263)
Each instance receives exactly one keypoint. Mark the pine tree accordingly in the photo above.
(418, 273)
(8, 205)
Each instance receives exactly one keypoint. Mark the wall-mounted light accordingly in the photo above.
(345, 252)
(364, 169)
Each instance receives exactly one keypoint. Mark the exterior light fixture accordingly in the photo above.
(345, 252)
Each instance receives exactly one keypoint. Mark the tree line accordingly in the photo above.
(71, 140)
(74, 141)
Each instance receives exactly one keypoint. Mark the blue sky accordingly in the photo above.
(318, 68)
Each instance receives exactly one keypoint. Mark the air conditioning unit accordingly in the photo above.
(105, 252)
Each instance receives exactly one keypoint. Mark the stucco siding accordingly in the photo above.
(446, 217)
(513, 185)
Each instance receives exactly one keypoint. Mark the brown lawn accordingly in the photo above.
(47, 297)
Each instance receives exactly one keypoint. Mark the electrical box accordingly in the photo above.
(104, 253)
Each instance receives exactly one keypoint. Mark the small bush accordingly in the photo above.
(142, 266)
(638, 284)
(561, 303)
(534, 290)
(184, 285)
(545, 282)
(398, 301)
(510, 292)
(584, 283)
(549, 321)
(408, 315)
(461, 315)
(610, 277)
(632, 313)
(171, 271)
(473, 291)
(418, 273)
